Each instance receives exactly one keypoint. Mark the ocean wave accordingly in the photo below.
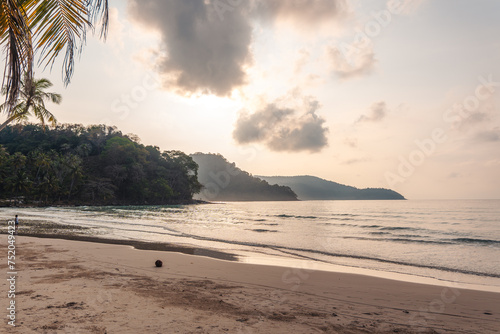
(476, 241)
(396, 262)
(346, 214)
(355, 225)
(397, 228)
(430, 242)
(261, 230)
(289, 250)
(293, 216)
(402, 240)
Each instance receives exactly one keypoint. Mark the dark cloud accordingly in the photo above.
(206, 44)
(282, 128)
(377, 113)
(202, 54)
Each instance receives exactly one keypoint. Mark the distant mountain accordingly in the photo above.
(314, 188)
(223, 181)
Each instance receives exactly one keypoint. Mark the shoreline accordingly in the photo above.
(137, 244)
(64, 205)
(67, 286)
(266, 260)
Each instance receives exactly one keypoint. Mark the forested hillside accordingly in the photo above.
(74, 164)
(223, 181)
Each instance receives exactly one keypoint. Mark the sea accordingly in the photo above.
(443, 242)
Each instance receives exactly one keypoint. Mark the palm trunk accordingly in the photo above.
(4, 125)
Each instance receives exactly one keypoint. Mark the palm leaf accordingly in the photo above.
(54, 25)
(63, 24)
(16, 36)
(98, 11)
(31, 102)
(58, 25)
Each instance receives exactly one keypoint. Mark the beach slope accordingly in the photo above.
(65, 286)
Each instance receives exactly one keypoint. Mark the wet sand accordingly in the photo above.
(68, 286)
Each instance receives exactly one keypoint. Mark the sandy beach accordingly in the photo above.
(67, 286)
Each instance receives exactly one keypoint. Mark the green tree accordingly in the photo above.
(31, 102)
(92, 165)
(184, 174)
(46, 26)
(100, 189)
(18, 182)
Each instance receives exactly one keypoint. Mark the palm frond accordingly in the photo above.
(19, 112)
(54, 98)
(55, 25)
(16, 36)
(63, 24)
(40, 112)
(42, 84)
(58, 25)
(99, 11)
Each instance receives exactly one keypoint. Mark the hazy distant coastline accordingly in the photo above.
(223, 181)
(309, 187)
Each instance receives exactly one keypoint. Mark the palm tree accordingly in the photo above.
(31, 102)
(47, 26)
(74, 164)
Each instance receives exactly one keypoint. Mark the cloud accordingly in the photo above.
(206, 44)
(351, 142)
(488, 136)
(116, 29)
(284, 128)
(474, 119)
(300, 11)
(302, 59)
(355, 161)
(201, 54)
(377, 113)
(348, 61)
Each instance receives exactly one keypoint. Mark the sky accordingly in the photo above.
(399, 94)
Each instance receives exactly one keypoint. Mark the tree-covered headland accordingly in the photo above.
(90, 165)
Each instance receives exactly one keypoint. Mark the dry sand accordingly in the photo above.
(67, 286)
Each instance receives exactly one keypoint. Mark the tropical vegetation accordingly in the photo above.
(48, 27)
(31, 102)
(90, 165)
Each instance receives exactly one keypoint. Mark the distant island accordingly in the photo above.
(223, 181)
(314, 188)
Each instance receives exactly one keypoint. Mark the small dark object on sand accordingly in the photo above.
(158, 263)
